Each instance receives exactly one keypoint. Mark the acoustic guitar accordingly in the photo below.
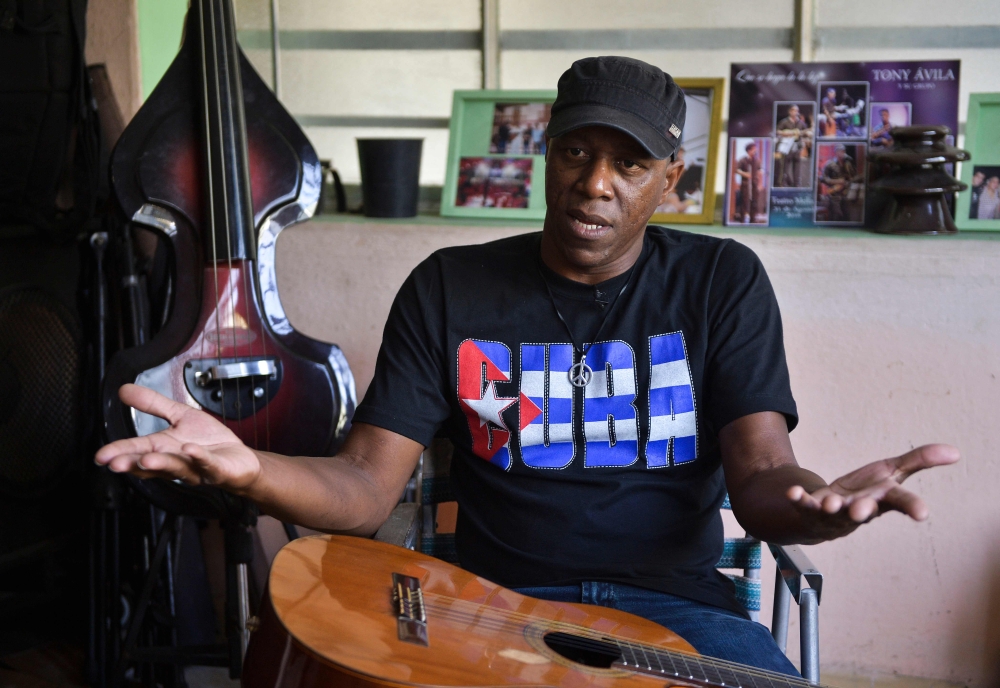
(351, 612)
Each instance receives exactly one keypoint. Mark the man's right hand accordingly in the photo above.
(196, 448)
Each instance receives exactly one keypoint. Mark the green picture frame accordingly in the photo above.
(472, 145)
(982, 140)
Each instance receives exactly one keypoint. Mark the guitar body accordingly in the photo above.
(331, 620)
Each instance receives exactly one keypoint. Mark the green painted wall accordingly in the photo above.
(160, 26)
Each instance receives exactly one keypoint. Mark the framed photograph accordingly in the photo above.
(748, 183)
(843, 109)
(496, 154)
(794, 129)
(804, 110)
(978, 207)
(840, 183)
(884, 117)
(693, 200)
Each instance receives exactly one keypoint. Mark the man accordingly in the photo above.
(746, 170)
(604, 385)
(881, 137)
(837, 176)
(828, 108)
(789, 150)
(988, 207)
(975, 190)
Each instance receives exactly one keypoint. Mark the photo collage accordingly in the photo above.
(502, 176)
(800, 134)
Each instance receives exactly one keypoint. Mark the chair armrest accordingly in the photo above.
(793, 566)
(400, 528)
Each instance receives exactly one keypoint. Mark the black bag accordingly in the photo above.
(49, 136)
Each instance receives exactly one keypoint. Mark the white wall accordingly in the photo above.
(410, 83)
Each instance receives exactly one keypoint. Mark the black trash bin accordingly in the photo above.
(390, 176)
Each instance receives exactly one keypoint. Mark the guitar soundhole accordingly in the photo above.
(586, 651)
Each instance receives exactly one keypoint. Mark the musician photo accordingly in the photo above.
(689, 194)
(840, 188)
(887, 116)
(793, 144)
(843, 111)
(749, 192)
(519, 128)
(605, 384)
(985, 190)
(494, 182)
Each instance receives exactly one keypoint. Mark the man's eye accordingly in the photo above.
(576, 152)
(630, 164)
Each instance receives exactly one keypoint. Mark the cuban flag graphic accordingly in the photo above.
(610, 422)
(481, 365)
(673, 429)
(546, 408)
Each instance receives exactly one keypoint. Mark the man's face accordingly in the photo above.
(885, 116)
(831, 93)
(841, 154)
(994, 183)
(793, 112)
(977, 179)
(601, 187)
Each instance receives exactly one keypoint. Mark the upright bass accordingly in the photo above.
(216, 165)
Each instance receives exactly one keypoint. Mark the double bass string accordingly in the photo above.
(210, 209)
(242, 167)
(221, 71)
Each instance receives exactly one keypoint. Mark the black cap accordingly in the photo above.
(625, 94)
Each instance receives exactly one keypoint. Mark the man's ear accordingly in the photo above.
(673, 173)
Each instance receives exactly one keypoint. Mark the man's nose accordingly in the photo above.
(596, 179)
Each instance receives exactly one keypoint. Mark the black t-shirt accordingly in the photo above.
(621, 481)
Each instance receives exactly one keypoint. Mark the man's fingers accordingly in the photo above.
(926, 456)
(148, 401)
(863, 508)
(801, 498)
(157, 465)
(907, 502)
(126, 447)
(832, 503)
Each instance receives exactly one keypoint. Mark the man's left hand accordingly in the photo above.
(837, 509)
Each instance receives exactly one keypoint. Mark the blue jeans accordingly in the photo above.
(713, 631)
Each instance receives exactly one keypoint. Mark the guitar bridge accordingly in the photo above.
(411, 614)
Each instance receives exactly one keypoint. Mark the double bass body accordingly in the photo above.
(218, 167)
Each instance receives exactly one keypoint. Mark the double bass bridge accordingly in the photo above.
(233, 388)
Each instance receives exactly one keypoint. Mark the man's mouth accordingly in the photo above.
(588, 223)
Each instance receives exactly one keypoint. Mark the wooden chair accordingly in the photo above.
(414, 524)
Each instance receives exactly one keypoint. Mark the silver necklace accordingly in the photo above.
(580, 374)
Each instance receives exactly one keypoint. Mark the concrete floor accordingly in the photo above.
(61, 665)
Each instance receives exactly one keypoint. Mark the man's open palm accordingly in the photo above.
(870, 491)
(196, 448)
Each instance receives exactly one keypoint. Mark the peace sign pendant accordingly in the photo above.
(580, 374)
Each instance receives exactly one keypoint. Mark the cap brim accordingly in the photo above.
(592, 114)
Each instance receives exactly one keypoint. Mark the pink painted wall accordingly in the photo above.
(891, 343)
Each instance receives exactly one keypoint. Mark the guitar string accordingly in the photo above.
(486, 623)
(740, 673)
(737, 671)
(239, 134)
(515, 617)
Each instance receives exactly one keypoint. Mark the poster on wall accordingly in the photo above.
(800, 134)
